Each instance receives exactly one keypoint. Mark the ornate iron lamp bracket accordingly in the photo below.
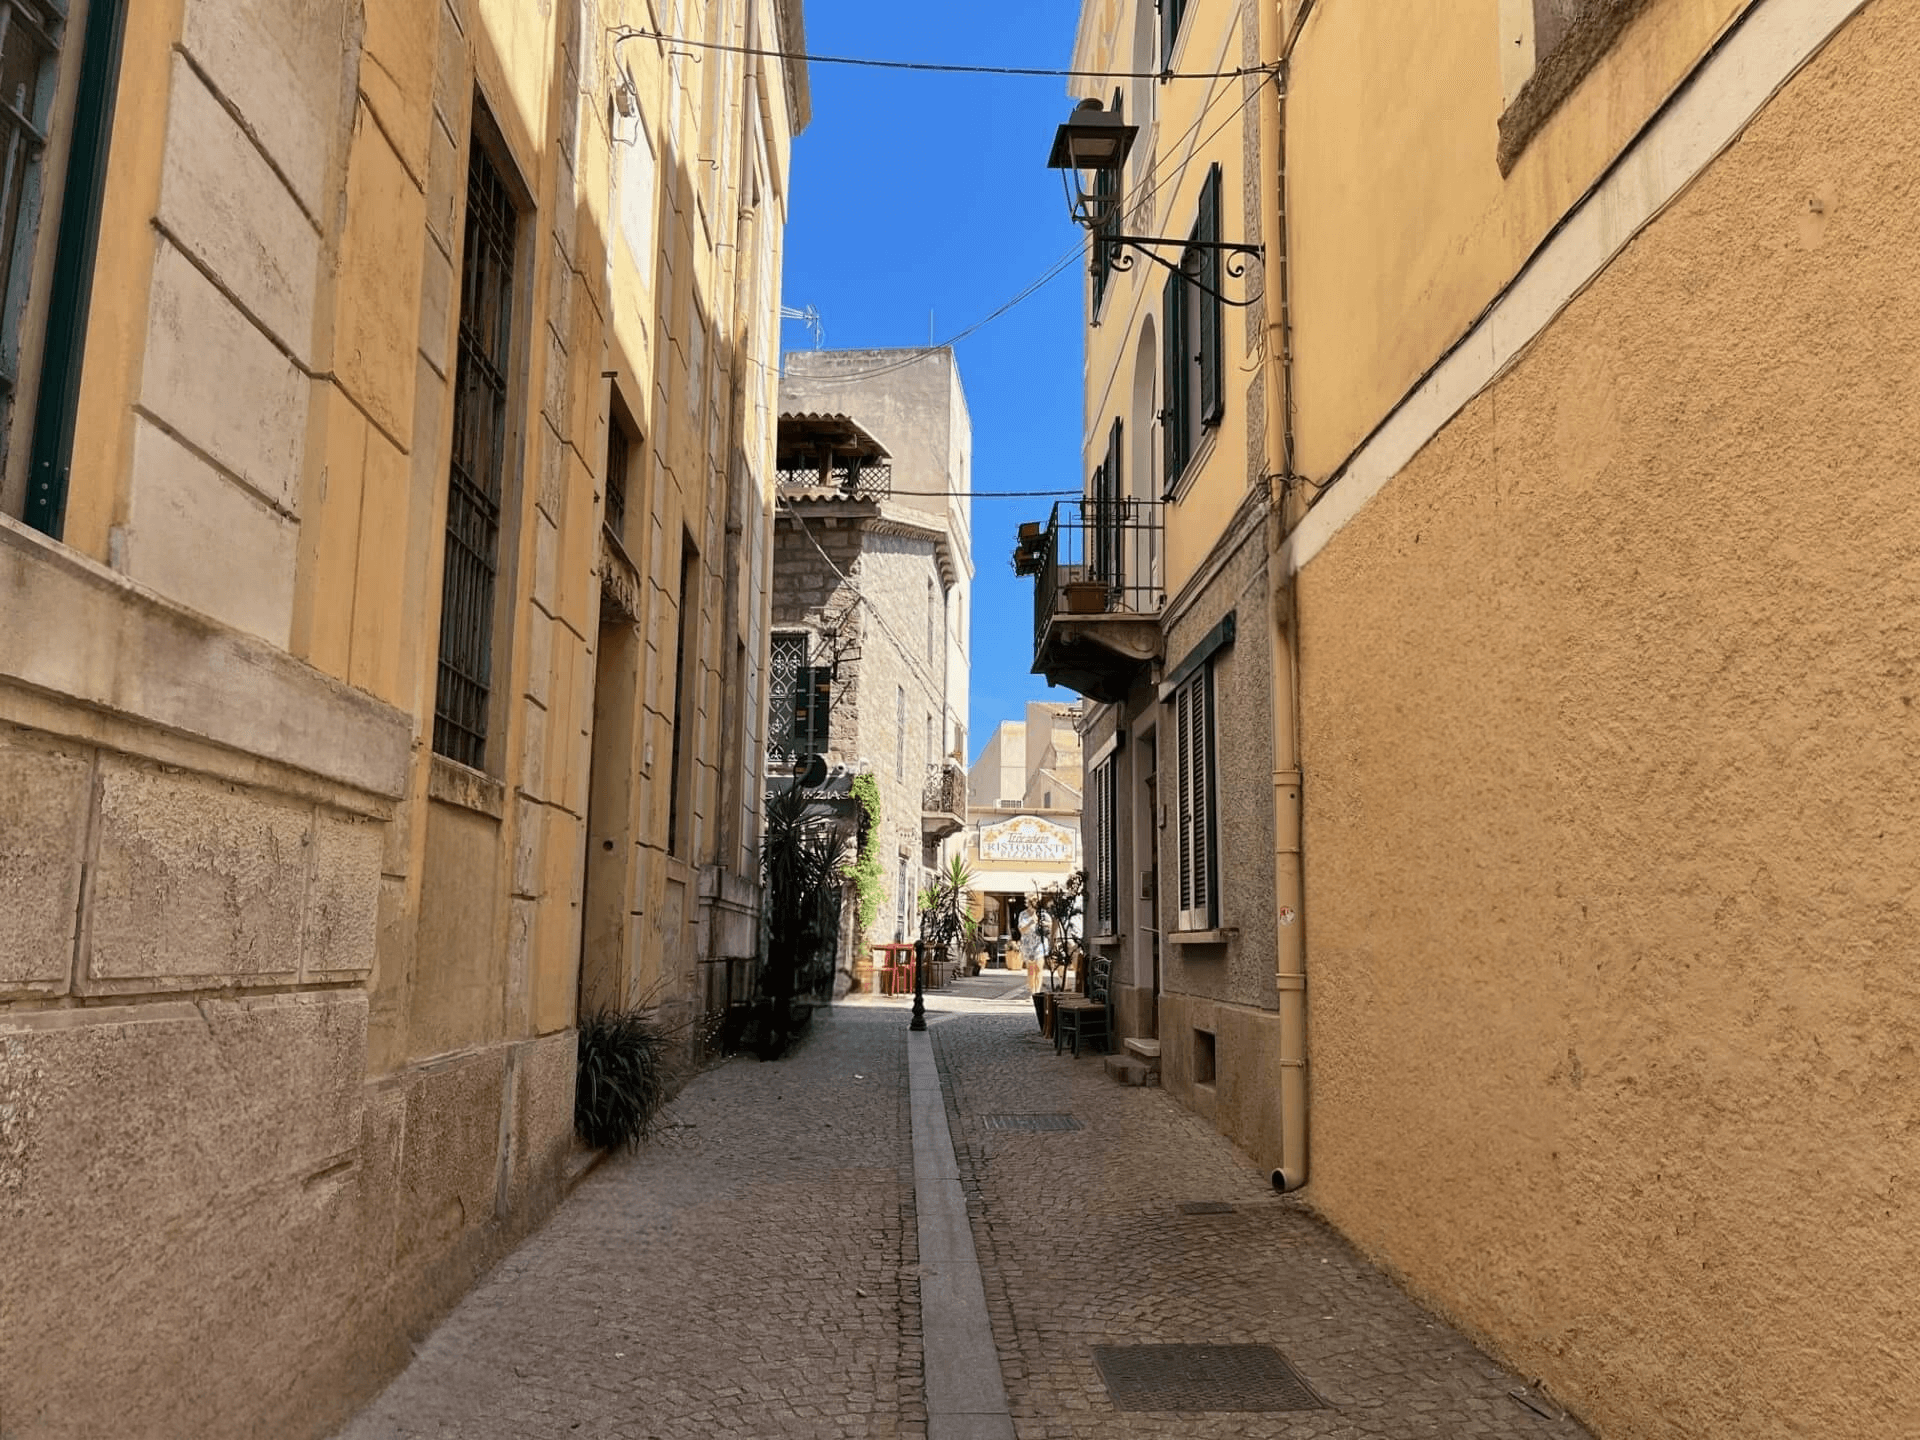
(1235, 265)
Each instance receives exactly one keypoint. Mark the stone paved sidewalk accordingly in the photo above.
(750, 1272)
(753, 1272)
(1082, 1243)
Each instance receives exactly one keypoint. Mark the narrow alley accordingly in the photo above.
(756, 1270)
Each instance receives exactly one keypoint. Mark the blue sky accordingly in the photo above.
(915, 192)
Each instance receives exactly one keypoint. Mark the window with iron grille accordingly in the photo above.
(55, 76)
(786, 659)
(619, 458)
(800, 701)
(1195, 831)
(1192, 326)
(1102, 800)
(476, 479)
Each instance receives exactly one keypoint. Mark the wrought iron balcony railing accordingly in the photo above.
(854, 479)
(945, 792)
(1095, 557)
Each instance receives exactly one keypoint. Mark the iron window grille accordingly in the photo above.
(33, 34)
(476, 474)
(1195, 834)
(801, 701)
(619, 456)
(30, 39)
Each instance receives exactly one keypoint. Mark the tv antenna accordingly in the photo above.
(809, 317)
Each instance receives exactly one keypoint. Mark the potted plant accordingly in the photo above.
(1085, 597)
(943, 916)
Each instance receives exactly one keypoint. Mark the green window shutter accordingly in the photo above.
(1173, 351)
(70, 296)
(1171, 13)
(1212, 391)
(1103, 189)
(1106, 548)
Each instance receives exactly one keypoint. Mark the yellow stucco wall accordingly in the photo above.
(1402, 227)
(1191, 126)
(1609, 709)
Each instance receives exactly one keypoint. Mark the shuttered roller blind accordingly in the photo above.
(1194, 781)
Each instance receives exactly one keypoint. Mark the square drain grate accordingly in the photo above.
(1029, 1122)
(1201, 1377)
(1205, 1207)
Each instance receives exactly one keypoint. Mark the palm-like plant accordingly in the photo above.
(801, 859)
(943, 908)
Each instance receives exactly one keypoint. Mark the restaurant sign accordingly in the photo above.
(1026, 838)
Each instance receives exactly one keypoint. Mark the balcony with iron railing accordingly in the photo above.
(943, 801)
(847, 477)
(1097, 592)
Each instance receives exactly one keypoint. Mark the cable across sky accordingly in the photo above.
(936, 68)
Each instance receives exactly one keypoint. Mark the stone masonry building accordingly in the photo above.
(873, 575)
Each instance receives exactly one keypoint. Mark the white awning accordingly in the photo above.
(1017, 882)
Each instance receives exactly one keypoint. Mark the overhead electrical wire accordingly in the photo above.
(935, 691)
(1148, 187)
(931, 67)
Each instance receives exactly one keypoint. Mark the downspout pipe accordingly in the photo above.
(1288, 884)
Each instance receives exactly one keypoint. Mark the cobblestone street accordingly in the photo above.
(754, 1270)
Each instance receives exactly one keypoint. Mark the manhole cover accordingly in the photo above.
(1029, 1122)
(1201, 1377)
(1205, 1207)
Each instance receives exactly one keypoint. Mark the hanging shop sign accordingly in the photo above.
(1026, 839)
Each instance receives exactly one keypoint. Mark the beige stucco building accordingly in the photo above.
(1572, 556)
(386, 533)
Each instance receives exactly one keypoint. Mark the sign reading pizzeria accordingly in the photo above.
(1026, 838)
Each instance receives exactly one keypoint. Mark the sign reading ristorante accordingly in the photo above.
(1026, 838)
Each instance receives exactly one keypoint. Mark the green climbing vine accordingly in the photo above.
(865, 871)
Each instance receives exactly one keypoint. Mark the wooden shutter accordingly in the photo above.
(1194, 777)
(1106, 513)
(1106, 847)
(1173, 364)
(1170, 13)
(1207, 271)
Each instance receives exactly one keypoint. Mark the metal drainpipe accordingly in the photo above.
(1290, 959)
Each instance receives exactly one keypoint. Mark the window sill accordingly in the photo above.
(452, 783)
(1219, 936)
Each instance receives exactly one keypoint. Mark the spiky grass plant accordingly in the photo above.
(624, 1078)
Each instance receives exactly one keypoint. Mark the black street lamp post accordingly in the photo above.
(919, 1021)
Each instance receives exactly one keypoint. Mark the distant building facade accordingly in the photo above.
(872, 592)
(1023, 820)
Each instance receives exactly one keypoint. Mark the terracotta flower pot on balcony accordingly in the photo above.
(1085, 597)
